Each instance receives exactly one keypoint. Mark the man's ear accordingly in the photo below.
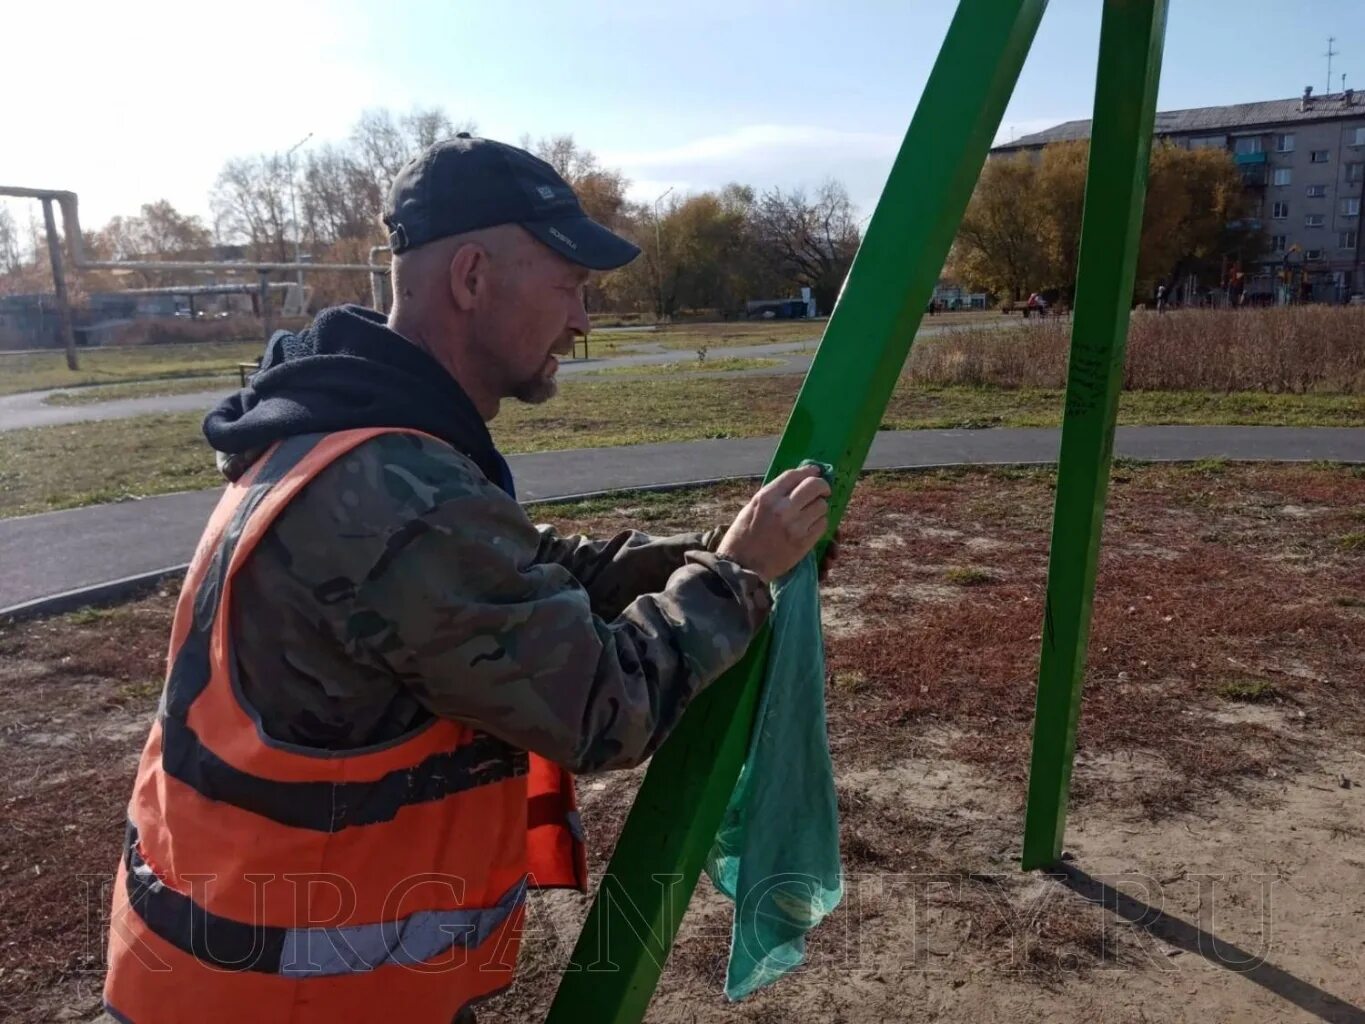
(468, 274)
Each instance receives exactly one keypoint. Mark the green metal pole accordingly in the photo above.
(1131, 36)
(662, 849)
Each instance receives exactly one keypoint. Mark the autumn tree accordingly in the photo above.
(23, 264)
(250, 202)
(157, 231)
(1060, 201)
(999, 244)
(808, 241)
(1021, 231)
(1197, 213)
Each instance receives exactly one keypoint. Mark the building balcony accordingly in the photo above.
(1250, 158)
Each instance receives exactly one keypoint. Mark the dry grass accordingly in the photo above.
(1296, 350)
(1223, 588)
(37, 371)
(1205, 573)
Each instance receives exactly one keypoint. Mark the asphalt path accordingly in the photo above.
(63, 559)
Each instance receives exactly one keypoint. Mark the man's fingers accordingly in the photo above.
(809, 491)
(783, 485)
(815, 517)
(814, 530)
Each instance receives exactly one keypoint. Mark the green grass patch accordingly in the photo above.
(1208, 467)
(145, 690)
(713, 336)
(87, 463)
(1353, 541)
(687, 366)
(39, 371)
(88, 616)
(641, 506)
(143, 389)
(967, 576)
(851, 681)
(1249, 691)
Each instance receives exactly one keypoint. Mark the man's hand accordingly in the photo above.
(780, 524)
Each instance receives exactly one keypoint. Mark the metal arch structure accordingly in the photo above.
(71, 224)
(641, 901)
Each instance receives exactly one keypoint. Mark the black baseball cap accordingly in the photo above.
(464, 183)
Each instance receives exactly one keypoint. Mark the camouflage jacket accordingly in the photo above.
(401, 584)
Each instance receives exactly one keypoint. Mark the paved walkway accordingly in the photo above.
(101, 547)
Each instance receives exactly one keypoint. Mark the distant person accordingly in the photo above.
(1161, 298)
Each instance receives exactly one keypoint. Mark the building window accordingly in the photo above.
(1314, 220)
(1279, 211)
(1355, 173)
(1248, 144)
(1350, 207)
(1278, 243)
(1317, 191)
(1348, 239)
(1312, 254)
(1319, 156)
(1209, 142)
(1359, 138)
(1284, 143)
(1281, 176)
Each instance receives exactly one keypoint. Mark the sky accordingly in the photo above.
(132, 102)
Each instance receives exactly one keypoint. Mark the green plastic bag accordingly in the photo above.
(777, 852)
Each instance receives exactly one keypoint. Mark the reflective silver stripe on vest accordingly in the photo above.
(415, 939)
(575, 825)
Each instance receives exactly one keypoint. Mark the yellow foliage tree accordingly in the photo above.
(1021, 232)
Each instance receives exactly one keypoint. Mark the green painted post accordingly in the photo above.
(671, 826)
(1131, 36)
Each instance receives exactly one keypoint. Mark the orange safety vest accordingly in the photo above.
(269, 882)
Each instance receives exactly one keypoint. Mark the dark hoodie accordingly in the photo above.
(349, 371)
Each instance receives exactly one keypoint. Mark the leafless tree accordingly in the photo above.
(9, 243)
(809, 241)
(251, 204)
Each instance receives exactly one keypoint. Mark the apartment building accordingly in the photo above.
(1303, 161)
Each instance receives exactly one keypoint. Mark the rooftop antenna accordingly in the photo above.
(1329, 55)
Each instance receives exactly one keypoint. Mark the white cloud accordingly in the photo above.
(755, 140)
(764, 156)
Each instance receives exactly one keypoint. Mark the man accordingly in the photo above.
(381, 674)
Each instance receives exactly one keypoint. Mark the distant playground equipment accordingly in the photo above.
(71, 224)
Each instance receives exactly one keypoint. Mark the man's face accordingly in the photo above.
(529, 316)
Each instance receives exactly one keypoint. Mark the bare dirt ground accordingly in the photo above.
(1216, 846)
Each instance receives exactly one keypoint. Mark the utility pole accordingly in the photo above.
(263, 299)
(54, 252)
(1329, 55)
(659, 252)
(294, 213)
